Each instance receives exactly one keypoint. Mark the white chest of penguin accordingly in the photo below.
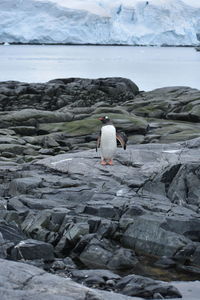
(108, 143)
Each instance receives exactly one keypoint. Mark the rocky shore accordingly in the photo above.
(73, 229)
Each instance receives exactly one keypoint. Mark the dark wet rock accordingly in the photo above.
(12, 148)
(57, 195)
(32, 116)
(123, 259)
(3, 247)
(10, 235)
(71, 236)
(188, 254)
(96, 278)
(195, 259)
(43, 225)
(134, 285)
(63, 264)
(20, 281)
(10, 232)
(165, 262)
(32, 249)
(105, 274)
(62, 115)
(104, 254)
(59, 92)
(146, 234)
(24, 130)
(24, 203)
(24, 185)
(185, 186)
(189, 270)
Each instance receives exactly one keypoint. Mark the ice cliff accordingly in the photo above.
(133, 22)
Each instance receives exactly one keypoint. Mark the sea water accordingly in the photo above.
(148, 67)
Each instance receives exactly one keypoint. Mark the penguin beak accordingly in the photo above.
(101, 118)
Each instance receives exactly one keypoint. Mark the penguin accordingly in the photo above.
(107, 141)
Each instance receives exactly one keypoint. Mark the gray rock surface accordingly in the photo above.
(113, 228)
(43, 119)
(32, 249)
(22, 281)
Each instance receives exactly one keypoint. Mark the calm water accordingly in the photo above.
(190, 290)
(148, 67)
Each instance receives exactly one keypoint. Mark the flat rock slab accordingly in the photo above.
(139, 159)
(22, 281)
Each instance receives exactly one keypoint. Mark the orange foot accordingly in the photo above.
(110, 162)
(103, 162)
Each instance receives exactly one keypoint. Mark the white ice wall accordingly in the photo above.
(153, 22)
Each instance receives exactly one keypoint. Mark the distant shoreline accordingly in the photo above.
(90, 44)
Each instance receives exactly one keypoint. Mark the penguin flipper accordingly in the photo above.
(122, 138)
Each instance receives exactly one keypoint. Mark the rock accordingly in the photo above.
(15, 204)
(11, 140)
(31, 249)
(165, 262)
(8, 154)
(22, 280)
(24, 185)
(11, 232)
(3, 249)
(187, 180)
(105, 274)
(185, 254)
(63, 264)
(92, 216)
(25, 130)
(95, 278)
(35, 225)
(7, 132)
(173, 103)
(189, 270)
(70, 107)
(32, 116)
(134, 285)
(146, 232)
(103, 254)
(71, 236)
(195, 259)
(59, 92)
(12, 148)
(10, 235)
(23, 202)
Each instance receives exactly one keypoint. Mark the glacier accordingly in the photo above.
(125, 22)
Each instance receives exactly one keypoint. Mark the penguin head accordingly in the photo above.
(105, 119)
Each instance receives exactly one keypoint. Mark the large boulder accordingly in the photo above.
(58, 93)
(20, 280)
(32, 249)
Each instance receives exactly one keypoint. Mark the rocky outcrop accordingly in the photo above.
(61, 115)
(20, 281)
(121, 228)
(107, 217)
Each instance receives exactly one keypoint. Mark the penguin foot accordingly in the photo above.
(110, 162)
(103, 162)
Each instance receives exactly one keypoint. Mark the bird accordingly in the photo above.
(107, 141)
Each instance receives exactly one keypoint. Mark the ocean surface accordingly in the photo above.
(148, 67)
(190, 290)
